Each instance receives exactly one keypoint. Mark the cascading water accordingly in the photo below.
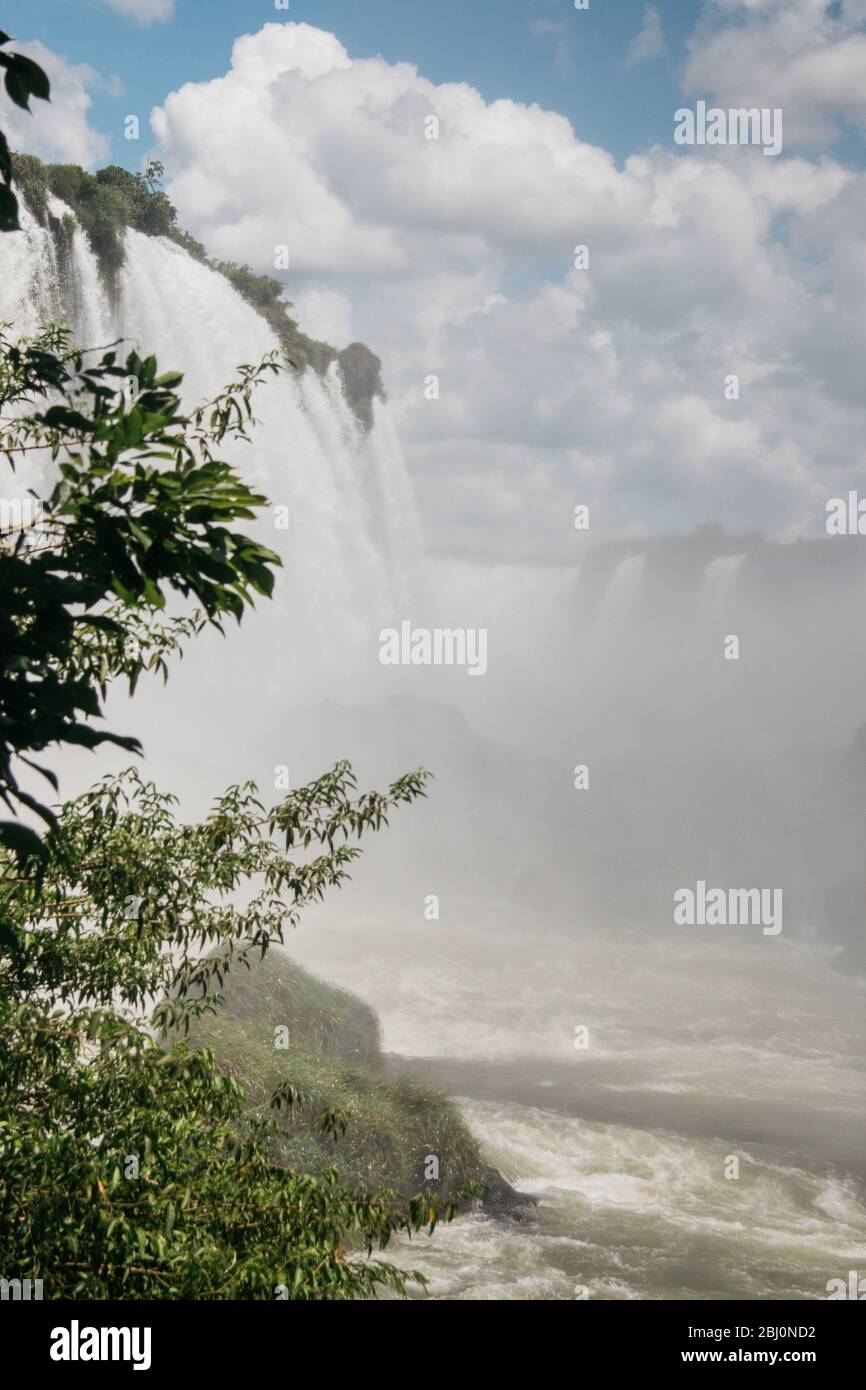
(351, 550)
(620, 601)
(719, 582)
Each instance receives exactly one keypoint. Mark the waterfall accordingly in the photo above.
(718, 584)
(351, 550)
(621, 597)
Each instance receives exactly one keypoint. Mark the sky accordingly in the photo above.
(540, 51)
(609, 384)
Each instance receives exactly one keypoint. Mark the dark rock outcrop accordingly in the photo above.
(361, 372)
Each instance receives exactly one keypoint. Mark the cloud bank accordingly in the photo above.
(443, 228)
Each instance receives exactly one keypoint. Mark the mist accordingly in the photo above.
(516, 931)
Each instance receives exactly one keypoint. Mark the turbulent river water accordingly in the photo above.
(625, 1145)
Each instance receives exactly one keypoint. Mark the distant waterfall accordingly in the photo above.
(621, 598)
(718, 584)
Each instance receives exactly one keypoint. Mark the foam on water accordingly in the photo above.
(688, 1015)
(625, 1214)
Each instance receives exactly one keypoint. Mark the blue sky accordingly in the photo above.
(577, 69)
(455, 257)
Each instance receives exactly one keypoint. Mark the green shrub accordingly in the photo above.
(391, 1126)
(322, 1019)
(387, 1128)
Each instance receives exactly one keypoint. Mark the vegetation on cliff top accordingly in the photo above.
(278, 1022)
(109, 201)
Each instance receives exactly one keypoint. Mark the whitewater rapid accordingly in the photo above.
(697, 1054)
(627, 1213)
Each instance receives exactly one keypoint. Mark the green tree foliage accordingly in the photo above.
(133, 1170)
(22, 79)
(105, 203)
(130, 1164)
(141, 507)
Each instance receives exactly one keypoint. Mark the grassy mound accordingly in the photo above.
(396, 1132)
(322, 1020)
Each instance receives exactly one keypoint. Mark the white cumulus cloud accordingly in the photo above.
(806, 56)
(325, 314)
(58, 130)
(557, 384)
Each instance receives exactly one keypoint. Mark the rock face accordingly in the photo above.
(361, 371)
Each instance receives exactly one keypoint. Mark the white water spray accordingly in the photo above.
(351, 550)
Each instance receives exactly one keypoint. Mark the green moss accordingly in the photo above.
(393, 1127)
(323, 1020)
